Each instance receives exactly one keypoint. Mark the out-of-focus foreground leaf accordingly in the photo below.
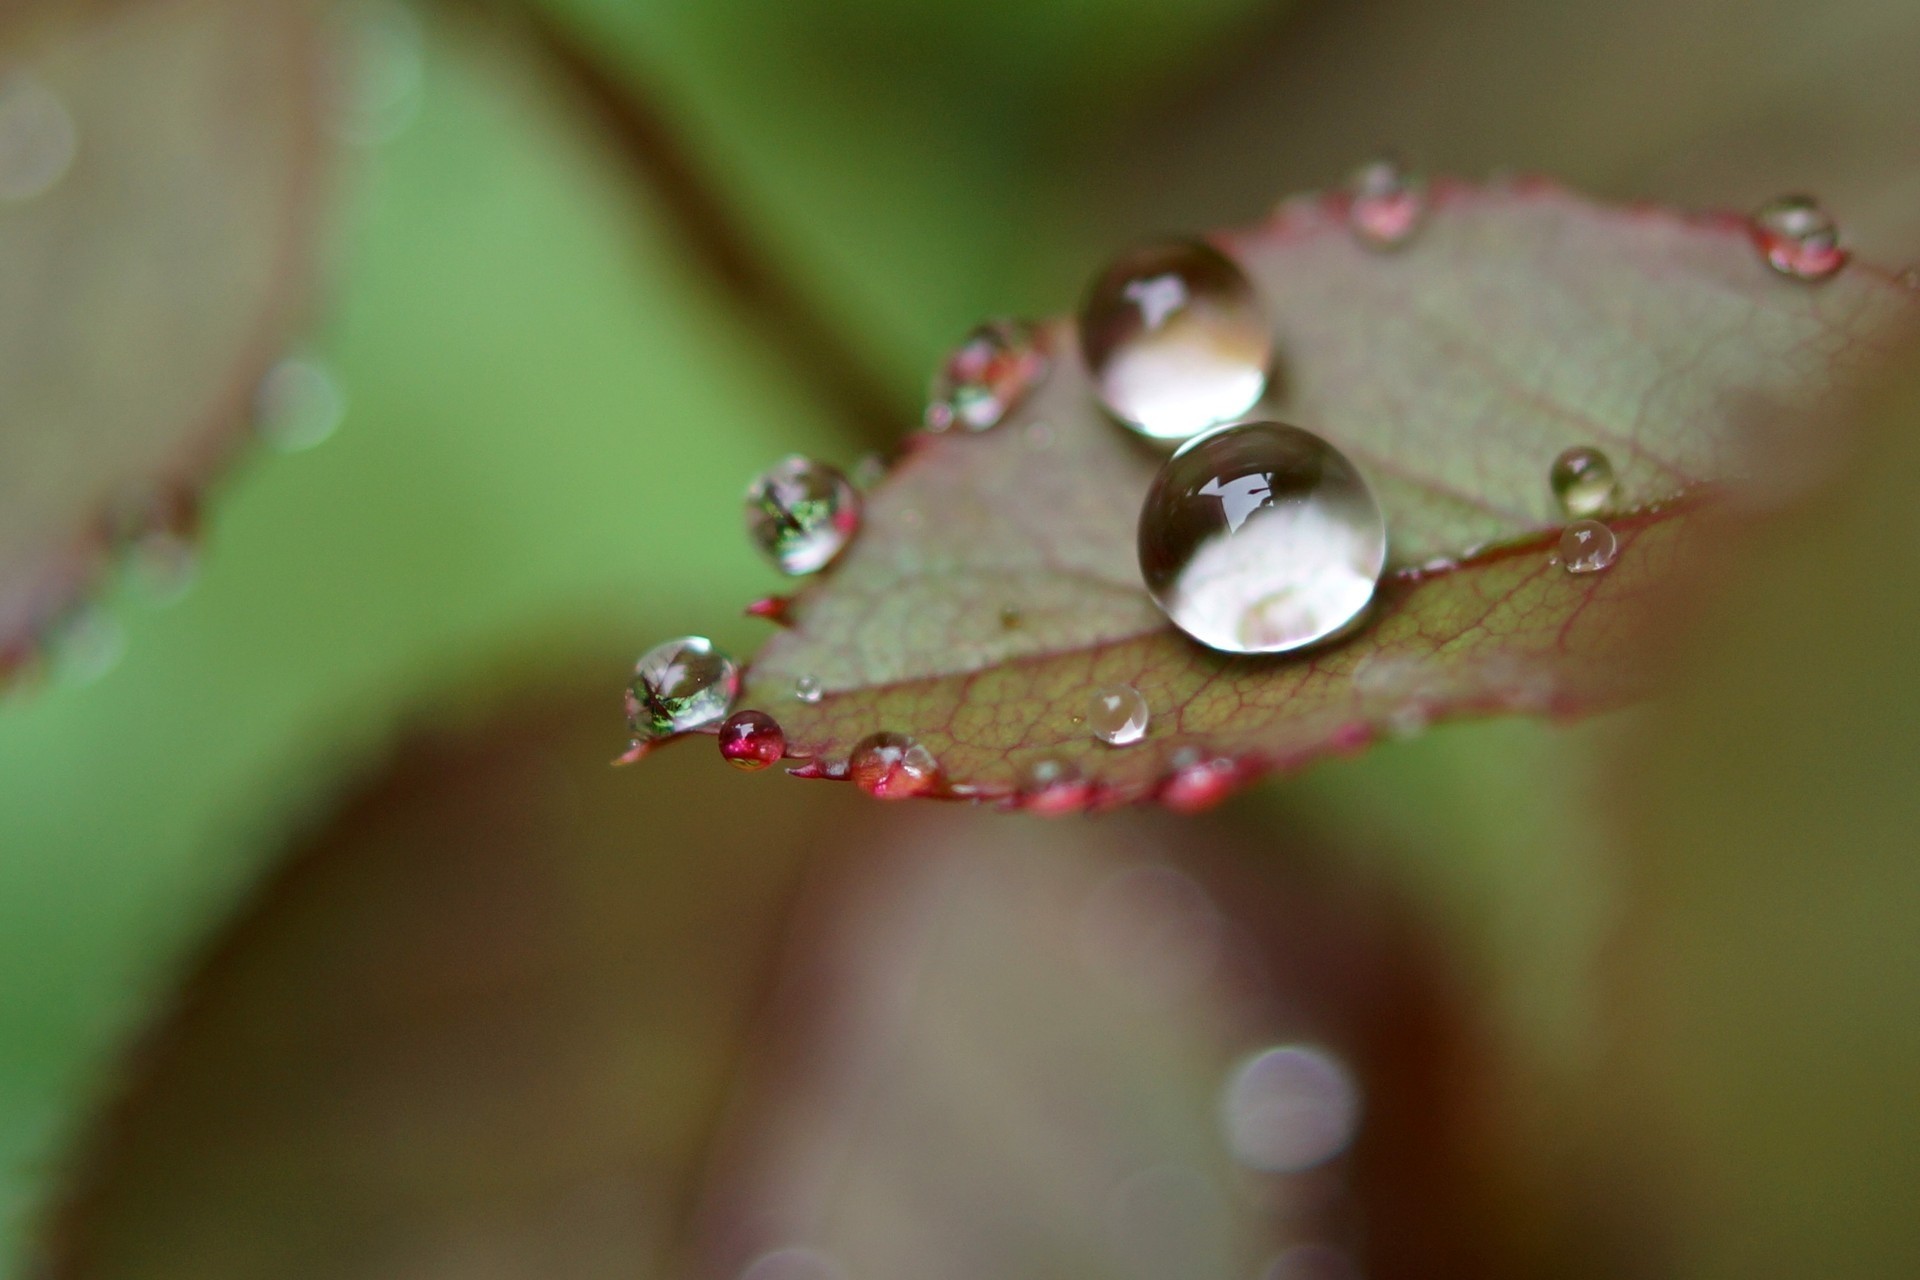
(160, 168)
(994, 586)
(509, 1014)
(1766, 1001)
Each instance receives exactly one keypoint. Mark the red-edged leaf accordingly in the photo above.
(156, 208)
(994, 587)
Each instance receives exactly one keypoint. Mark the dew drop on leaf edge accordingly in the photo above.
(801, 514)
(1175, 339)
(1385, 204)
(1799, 238)
(1261, 538)
(986, 377)
(1049, 785)
(1118, 715)
(892, 766)
(1588, 546)
(1582, 481)
(679, 686)
(752, 740)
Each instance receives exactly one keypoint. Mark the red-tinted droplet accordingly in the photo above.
(752, 740)
(892, 766)
(1051, 787)
(773, 609)
(1195, 787)
(1799, 239)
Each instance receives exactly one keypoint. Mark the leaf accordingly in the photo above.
(155, 232)
(994, 587)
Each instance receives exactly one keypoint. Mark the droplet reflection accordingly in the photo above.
(1118, 715)
(680, 686)
(299, 404)
(1289, 1108)
(1582, 481)
(1799, 238)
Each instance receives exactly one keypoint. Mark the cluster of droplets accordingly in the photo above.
(1256, 537)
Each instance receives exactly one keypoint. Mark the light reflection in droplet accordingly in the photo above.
(1289, 1108)
(38, 139)
(299, 404)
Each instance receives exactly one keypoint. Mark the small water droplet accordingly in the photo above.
(986, 377)
(1587, 546)
(892, 766)
(869, 470)
(808, 690)
(299, 404)
(801, 513)
(1118, 715)
(1051, 786)
(1799, 238)
(159, 539)
(1010, 619)
(752, 740)
(1261, 538)
(1175, 339)
(680, 686)
(1289, 1108)
(1582, 481)
(1197, 784)
(86, 645)
(38, 139)
(1386, 205)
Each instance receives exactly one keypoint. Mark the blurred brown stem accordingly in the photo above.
(659, 160)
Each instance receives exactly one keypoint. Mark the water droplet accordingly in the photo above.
(1010, 618)
(165, 563)
(808, 690)
(38, 139)
(680, 686)
(1050, 786)
(985, 377)
(1197, 784)
(1289, 1108)
(381, 92)
(892, 766)
(1175, 339)
(1582, 481)
(299, 404)
(1799, 238)
(801, 513)
(86, 645)
(1118, 715)
(752, 740)
(1587, 546)
(1386, 204)
(1261, 538)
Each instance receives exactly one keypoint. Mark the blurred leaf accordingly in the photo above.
(1518, 325)
(1765, 991)
(508, 1014)
(159, 189)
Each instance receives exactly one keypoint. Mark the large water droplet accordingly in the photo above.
(1175, 339)
(1587, 546)
(985, 377)
(1799, 238)
(1582, 481)
(679, 686)
(38, 139)
(892, 766)
(1386, 205)
(752, 740)
(1118, 715)
(1261, 538)
(802, 513)
(298, 405)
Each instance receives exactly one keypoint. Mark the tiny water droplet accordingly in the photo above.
(752, 740)
(680, 686)
(1386, 205)
(299, 404)
(1799, 238)
(1261, 538)
(1175, 339)
(986, 377)
(1050, 786)
(892, 766)
(38, 139)
(1118, 715)
(1010, 619)
(1587, 546)
(801, 513)
(808, 690)
(1197, 783)
(86, 645)
(1582, 481)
